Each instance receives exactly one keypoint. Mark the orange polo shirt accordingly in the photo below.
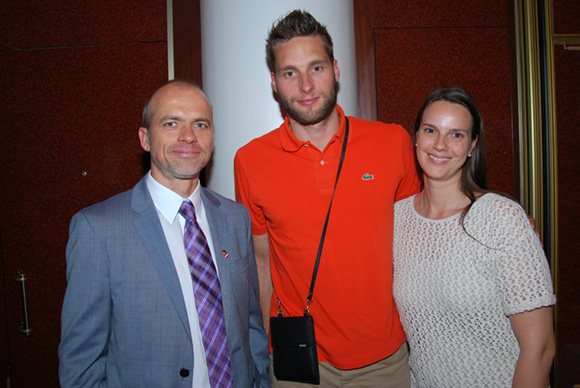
(287, 184)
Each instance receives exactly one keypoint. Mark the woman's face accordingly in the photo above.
(444, 141)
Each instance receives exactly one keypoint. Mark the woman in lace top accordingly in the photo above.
(471, 281)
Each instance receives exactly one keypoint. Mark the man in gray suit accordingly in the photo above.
(129, 315)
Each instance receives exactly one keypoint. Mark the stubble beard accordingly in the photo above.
(309, 117)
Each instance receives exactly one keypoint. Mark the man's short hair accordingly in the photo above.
(294, 24)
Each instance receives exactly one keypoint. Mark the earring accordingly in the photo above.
(469, 155)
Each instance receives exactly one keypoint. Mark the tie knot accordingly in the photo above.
(187, 210)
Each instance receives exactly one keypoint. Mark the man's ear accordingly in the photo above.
(273, 78)
(336, 70)
(144, 138)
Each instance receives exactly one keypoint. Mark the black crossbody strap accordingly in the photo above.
(310, 293)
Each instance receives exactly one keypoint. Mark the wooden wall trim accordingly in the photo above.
(366, 79)
(187, 40)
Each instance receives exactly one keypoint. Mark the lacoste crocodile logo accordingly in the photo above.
(368, 177)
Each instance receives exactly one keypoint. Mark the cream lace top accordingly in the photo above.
(454, 294)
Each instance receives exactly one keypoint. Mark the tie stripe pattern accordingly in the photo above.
(208, 299)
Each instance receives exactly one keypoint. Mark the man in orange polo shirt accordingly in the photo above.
(286, 179)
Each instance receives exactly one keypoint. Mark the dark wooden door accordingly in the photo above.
(417, 46)
(73, 82)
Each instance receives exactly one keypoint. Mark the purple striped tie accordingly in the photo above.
(208, 299)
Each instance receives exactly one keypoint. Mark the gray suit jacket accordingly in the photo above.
(124, 322)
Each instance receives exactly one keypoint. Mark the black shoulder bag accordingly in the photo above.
(293, 340)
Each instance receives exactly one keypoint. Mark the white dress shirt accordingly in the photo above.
(168, 203)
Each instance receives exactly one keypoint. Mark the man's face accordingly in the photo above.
(305, 79)
(180, 138)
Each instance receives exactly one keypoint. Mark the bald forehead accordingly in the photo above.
(178, 86)
(172, 90)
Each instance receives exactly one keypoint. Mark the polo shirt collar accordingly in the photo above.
(291, 144)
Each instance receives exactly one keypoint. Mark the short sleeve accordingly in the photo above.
(410, 183)
(521, 266)
(244, 196)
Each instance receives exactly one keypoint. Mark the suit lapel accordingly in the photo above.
(218, 225)
(149, 227)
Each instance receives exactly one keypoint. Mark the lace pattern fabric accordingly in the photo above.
(455, 293)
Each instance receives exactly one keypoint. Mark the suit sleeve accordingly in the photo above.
(86, 311)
